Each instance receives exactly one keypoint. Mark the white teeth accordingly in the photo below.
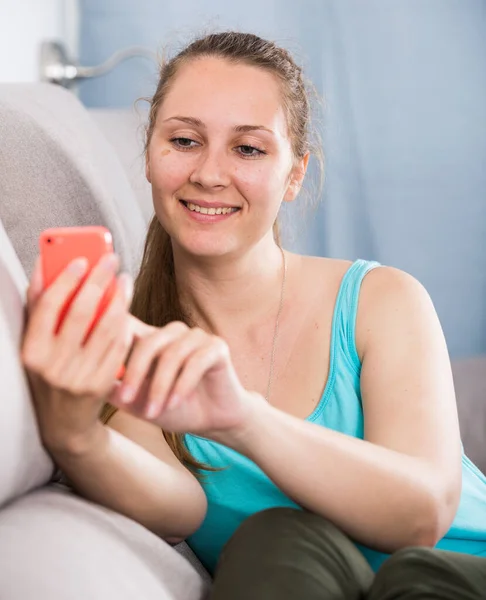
(210, 211)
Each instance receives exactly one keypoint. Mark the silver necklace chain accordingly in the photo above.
(277, 321)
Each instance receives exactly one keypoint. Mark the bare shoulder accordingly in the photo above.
(382, 286)
(393, 302)
(320, 273)
(389, 279)
(390, 288)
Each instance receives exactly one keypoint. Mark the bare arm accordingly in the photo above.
(129, 468)
(401, 485)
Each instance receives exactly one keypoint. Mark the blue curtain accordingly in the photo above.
(404, 125)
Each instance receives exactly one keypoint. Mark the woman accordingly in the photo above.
(304, 383)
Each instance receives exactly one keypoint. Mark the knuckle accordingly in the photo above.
(30, 358)
(220, 345)
(155, 342)
(47, 302)
(80, 312)
(199, 333)
(112, 322)
(53, 375)
(90, 290)
(75, 388)
(177, 327)
(149, 346)
(173, 355)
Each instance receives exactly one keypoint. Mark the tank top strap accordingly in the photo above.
(346, 309)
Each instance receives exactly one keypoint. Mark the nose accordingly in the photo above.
(211, 170)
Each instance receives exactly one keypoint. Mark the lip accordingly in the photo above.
(205, 204)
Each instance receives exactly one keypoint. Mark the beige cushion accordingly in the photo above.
(56, 546)
(57, 169)
(24, 463)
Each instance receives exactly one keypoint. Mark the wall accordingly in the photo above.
(404, 126)
(23, 25)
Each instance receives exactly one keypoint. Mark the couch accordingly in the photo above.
(61, 164)
(57, 169)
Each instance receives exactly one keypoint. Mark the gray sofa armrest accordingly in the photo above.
(470, 384)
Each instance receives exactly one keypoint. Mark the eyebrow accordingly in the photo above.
(238, 128)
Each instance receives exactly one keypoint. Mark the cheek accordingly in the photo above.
(168, 172)
(262, 182)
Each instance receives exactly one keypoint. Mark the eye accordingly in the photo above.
(183, 143)
(250, 151)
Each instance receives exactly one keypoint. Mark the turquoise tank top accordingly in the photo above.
(242, 488)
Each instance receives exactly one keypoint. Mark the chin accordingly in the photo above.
(207, 248)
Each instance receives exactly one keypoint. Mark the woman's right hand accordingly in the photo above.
(71, 380)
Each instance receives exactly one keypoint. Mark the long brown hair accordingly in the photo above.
(155, 299)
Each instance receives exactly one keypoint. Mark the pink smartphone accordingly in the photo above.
(61, 245)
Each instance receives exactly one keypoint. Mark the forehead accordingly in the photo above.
(217, 91)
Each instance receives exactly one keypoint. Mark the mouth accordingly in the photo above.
(212, 211)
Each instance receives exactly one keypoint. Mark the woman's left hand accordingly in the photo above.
(183, 379)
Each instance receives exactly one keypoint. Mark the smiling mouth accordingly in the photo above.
(204, 210)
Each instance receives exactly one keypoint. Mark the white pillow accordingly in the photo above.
(24, 464)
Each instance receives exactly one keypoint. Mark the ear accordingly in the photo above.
(147, 167)
(296, 178)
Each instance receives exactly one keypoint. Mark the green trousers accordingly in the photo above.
(288, 554)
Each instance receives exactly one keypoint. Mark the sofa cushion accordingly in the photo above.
(57, 546)
(24, 464)
(125, 131)
(57, 169)
(470, 385)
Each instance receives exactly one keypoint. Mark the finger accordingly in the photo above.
(35, 286)
(211, 356)
(93, 368)
(111, 337)
(144, 352)
(45, 313)
(140, 329)
(125, 283)
(109, 364)
(84, 305)
(138, 404)
(169, 366)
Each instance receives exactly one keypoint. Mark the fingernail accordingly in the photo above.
(78, 266)
(109, 262)
(127, 394)
(152, 410)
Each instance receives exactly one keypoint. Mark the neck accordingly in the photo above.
(225, 294)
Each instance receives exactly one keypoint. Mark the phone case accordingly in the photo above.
(60, 246)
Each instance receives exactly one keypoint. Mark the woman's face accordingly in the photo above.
(220, 160)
